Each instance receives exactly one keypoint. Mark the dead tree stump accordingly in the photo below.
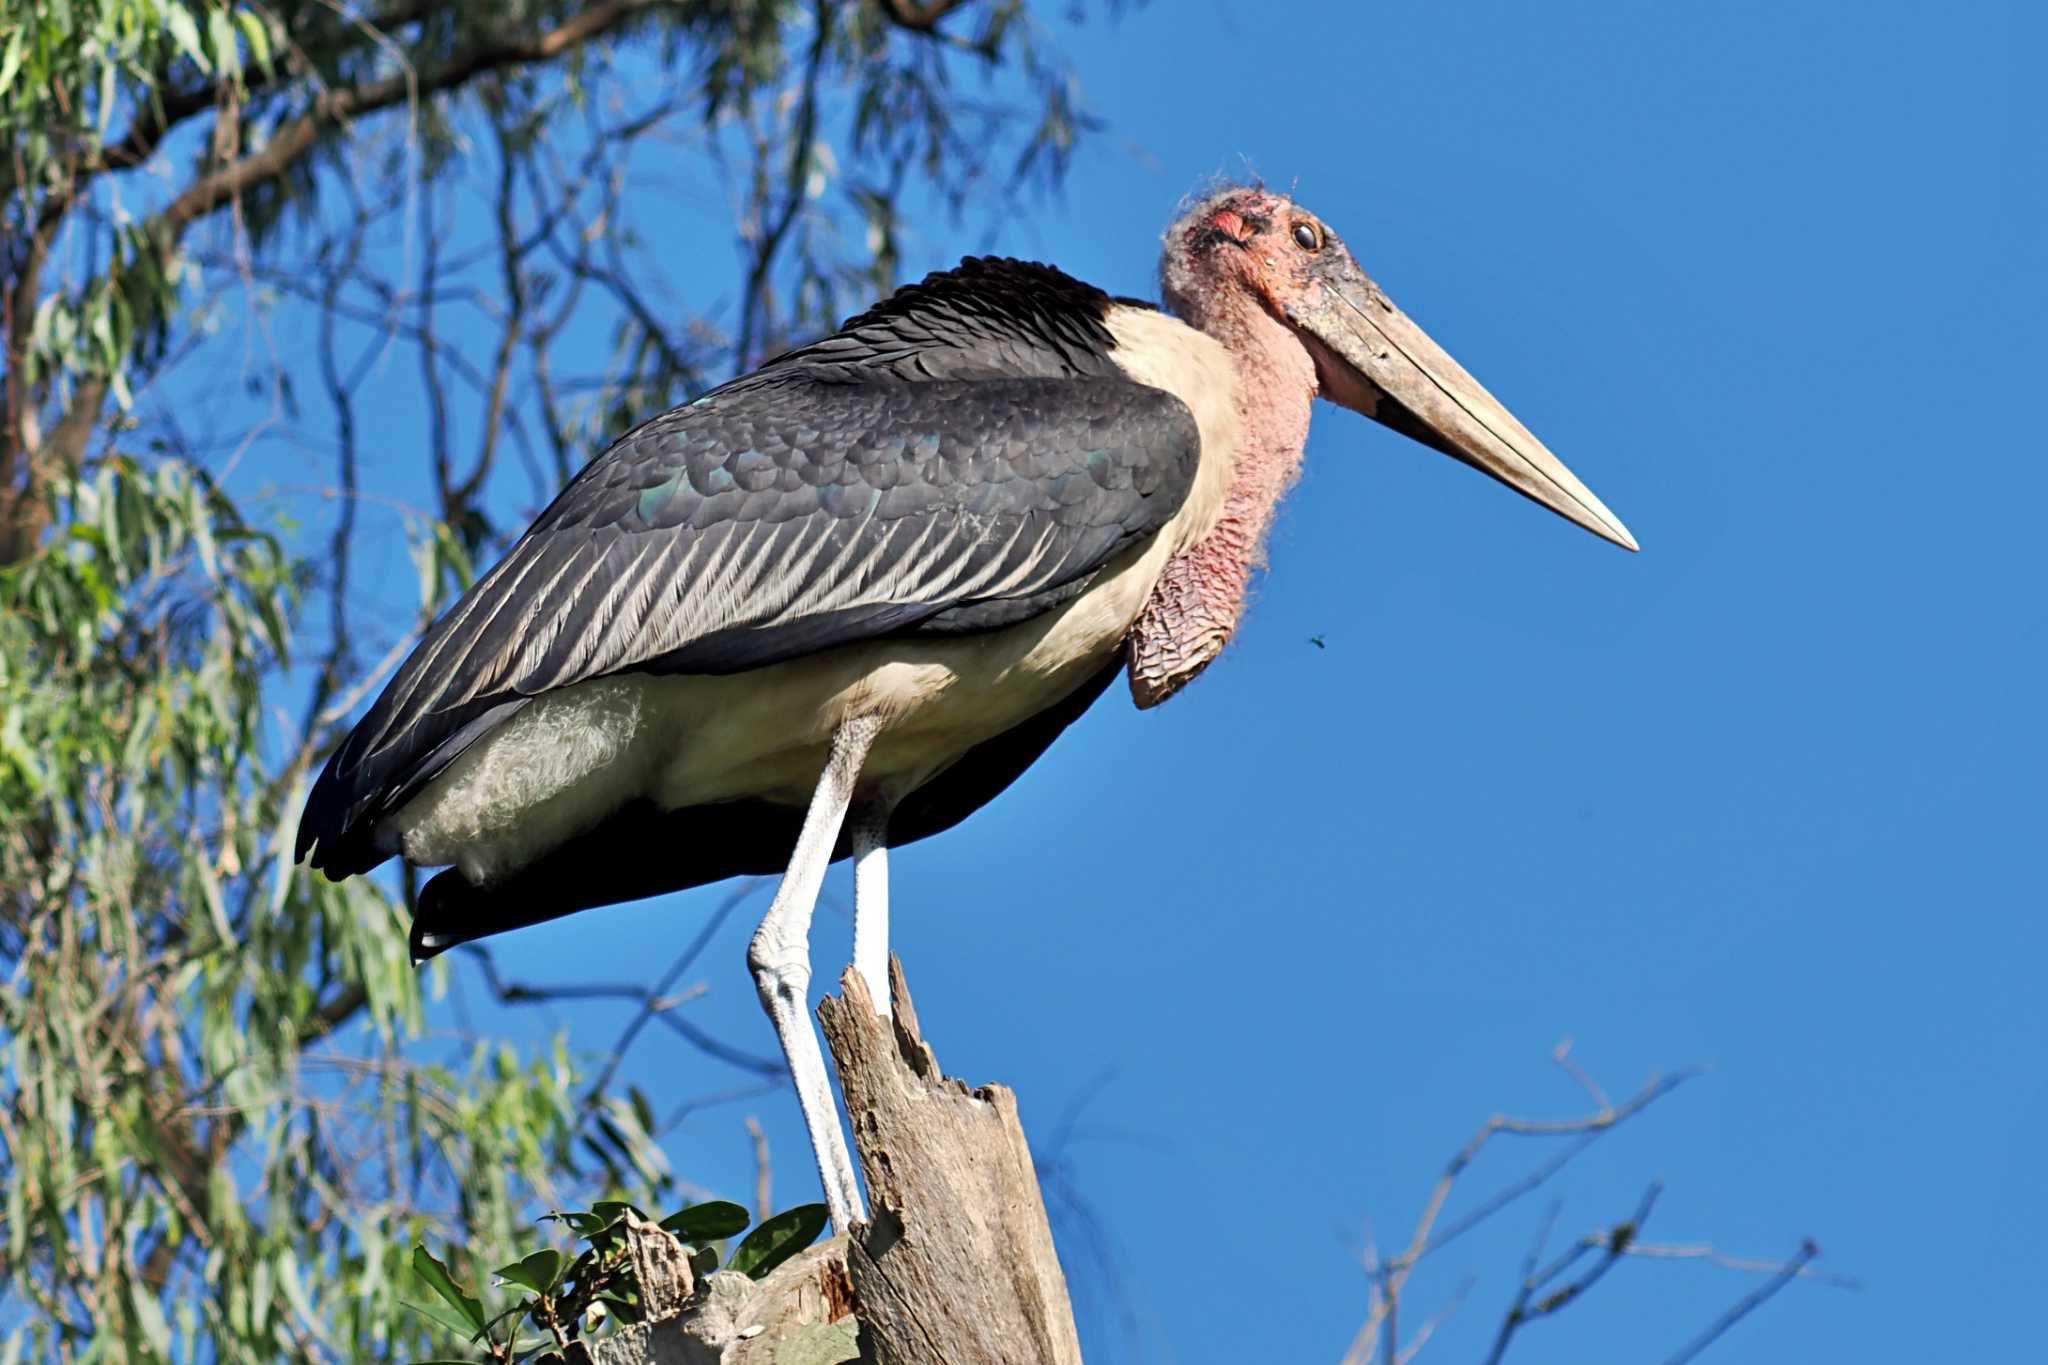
(955, 1266)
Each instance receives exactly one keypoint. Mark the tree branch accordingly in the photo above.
(768, 245)
(1612, 1244)
(25, 508)
(156, 119)
(332, 108)
(1748, 1304)
(24, 516)
(1381, 1333)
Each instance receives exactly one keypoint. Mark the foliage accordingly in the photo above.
(564, 1299)
(176, 1113)
(817, 115)
(228, 228)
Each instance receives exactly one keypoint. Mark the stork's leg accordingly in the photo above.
(871, 900)
(780, 956)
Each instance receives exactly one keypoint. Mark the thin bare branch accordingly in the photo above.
(661, 989)
(1700, 1251)
(1611, 1245)
(764, 1172)
(803, 145)
(1748, 1304)
(1562, 1055)
(1388, 1277)
(525, 993)
(1589, 1130)
(1436, 1320)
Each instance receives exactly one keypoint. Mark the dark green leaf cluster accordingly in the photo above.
(557, 1299)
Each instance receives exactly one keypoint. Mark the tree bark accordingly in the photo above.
(802, 1314)
(955, 1267)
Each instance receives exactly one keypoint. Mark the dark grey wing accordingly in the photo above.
(778, 516)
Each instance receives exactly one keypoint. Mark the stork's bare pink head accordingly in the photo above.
(1242, 255)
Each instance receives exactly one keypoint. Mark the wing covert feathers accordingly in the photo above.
(789, 512)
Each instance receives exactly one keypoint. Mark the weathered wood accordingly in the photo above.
(956, 1266)
(802, 1314)
(662, 1266)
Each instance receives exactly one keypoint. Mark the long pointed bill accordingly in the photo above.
(1372, 359)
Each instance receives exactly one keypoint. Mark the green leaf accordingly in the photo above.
(258, 36)
(10, 60)
(227, 49)
(611, 1211)
(185, 34)
(512, 1315)
(442, 1314)
(778, 1239)
(441, 1282)
(708, 1222)
(149, 1314)
(106, 105)
(536, 1273)
(580, 1223)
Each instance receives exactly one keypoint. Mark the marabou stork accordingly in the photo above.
(839, 603)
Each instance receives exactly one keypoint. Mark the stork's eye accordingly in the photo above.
(1308, 237)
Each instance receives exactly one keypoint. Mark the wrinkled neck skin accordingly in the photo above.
(1195, 607)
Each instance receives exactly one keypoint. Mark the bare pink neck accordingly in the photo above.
(1200, 597)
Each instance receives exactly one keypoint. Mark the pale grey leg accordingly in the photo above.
(780, 957)
(871, 901)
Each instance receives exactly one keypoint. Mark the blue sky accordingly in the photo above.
(1765, 797)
